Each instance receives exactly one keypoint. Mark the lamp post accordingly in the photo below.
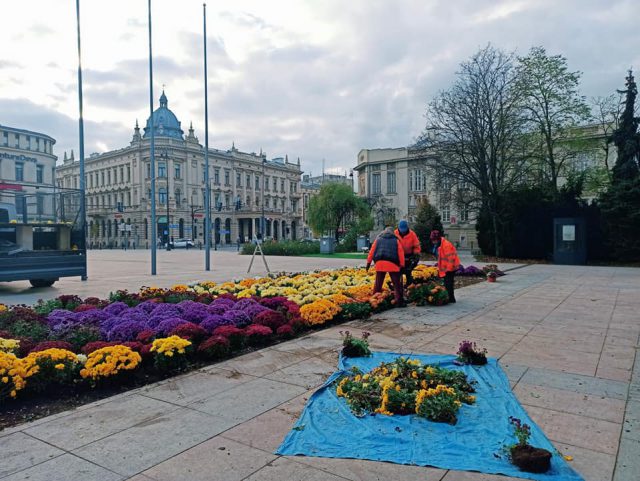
(264, 161)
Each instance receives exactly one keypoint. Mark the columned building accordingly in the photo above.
(394, 180)
(27, 173)
(245, 189)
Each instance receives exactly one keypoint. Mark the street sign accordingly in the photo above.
(198, 216)
(453, 219)
(173, 226)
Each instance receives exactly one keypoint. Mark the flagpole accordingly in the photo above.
(83, 213)
(152, 154)
(207, 193)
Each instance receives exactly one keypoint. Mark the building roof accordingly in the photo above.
(165, 122)
(27, 132)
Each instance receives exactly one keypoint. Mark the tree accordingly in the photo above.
(427, 219)
(475, 132)
(620, 204)
(336, 206)
(626, 137)
(554, 107)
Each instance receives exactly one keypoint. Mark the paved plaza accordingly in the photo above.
(566, 337)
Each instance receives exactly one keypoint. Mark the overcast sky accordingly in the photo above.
(311, 79)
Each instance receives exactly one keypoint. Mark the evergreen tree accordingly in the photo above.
(427, 219)
(626, 137)
(621, 202)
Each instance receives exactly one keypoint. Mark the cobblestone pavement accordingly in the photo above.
(566, 336)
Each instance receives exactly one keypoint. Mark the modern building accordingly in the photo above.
(27, 172)
(245, 189)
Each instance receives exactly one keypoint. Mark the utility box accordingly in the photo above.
(327, 245)
(569, 241)
(362, 243)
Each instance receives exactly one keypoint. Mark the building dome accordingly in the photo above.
(165, 123)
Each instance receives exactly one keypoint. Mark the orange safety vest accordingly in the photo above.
(448, 259)
(386, 266)
(410, 243)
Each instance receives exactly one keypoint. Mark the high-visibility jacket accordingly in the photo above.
(387, 265)
(409, 241)
(448, 259)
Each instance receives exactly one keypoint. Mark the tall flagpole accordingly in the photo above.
(154, 227)
(83, 213)
(207, 193)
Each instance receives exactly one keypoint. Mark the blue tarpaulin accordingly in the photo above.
(328, 428)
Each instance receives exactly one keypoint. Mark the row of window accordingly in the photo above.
(104, 177)
(417, 181)
(37, 146)
(19, 172)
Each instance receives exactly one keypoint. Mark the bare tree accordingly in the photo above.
(474, 132)
(554, 108)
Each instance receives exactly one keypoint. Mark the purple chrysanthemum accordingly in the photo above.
(237, 318)
(214, 320)
(169, 324)
(115, 308)
(193, 311)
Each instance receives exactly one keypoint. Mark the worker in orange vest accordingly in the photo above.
(411, 247)
(448, 260)
(388, 255)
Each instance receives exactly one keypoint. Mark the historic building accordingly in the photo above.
(245, 188)
(27, 172)
(395, 179)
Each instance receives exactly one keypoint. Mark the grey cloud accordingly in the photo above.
(7, 64)
(41, 30)
(23, 113)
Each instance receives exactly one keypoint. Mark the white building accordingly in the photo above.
(394, 180)
(244, 187)
(27, 172)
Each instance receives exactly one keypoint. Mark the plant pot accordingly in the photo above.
(530, 459)
(491, 279)
(352, 351)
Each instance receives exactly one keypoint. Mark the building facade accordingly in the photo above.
(27, 172)
(394, 180)
(245, 188)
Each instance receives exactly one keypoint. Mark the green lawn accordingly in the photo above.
(340, 255)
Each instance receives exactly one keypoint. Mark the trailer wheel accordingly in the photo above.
(42, 282)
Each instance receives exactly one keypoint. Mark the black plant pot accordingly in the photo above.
(530, 459)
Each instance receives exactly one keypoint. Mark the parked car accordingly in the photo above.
(182, 243)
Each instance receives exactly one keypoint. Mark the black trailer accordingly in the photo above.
(41, 236)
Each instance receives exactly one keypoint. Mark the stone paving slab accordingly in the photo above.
(20, 451)
(569, 365)
(65, 468)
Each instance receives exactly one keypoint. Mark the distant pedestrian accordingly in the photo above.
(388, 255)
(448, 261)
(411, 247)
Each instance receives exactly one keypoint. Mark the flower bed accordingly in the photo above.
(72, 343)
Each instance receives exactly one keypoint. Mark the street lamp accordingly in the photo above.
(264, 161)
(165, 158)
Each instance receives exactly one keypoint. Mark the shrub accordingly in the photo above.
(146, 337)
(82, 336)
(45, 307)
(235, 335)
(271, 319)
(170, 353)
(29, 328)
(320, 311)
(258, 335)
(215, 347)
(190, 331)
(438, 404)
(285, 331)
(352, 347)
(468, 353)
(50, 366)
(109, 361)
(355, 310)
(12, 379)
(43, 346)
(284, 248)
